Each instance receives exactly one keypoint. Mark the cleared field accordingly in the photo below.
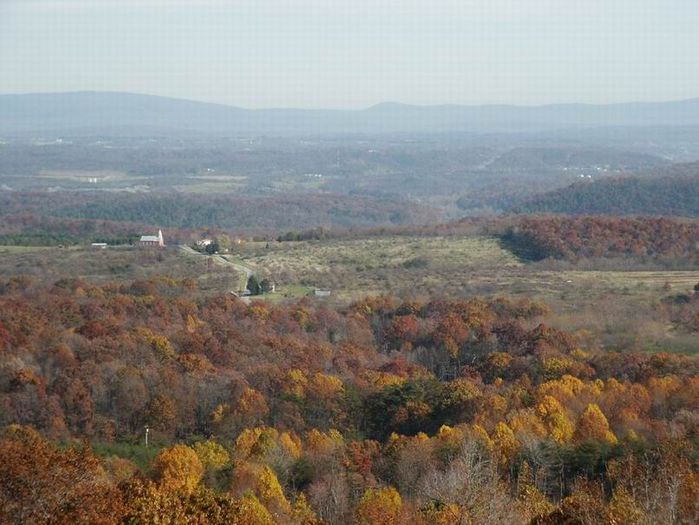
(353, 268)
(451, 266)
(14, 250)
(622, 308)
(118, 264)
(83, 176)
(205, 183)
(401, 266)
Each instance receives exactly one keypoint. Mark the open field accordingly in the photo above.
(82, 176)
(115, 264)
(401, 266)
(452, 266)
(15, 250)
(621, 307)
(397, 265)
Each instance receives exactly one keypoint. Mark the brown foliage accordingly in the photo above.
(40, 483)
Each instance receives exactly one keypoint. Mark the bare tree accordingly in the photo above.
(470, 481)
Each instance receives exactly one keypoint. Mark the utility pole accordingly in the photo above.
(147, 432)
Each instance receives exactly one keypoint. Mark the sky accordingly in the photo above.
(355, 53)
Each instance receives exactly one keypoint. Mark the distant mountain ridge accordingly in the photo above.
(126, 113)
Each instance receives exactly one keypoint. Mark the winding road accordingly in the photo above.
(223, 259)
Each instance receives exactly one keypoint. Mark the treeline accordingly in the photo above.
(683, 310)
(674, 194)
(573, 238)
(381, 412)
(204, 211)
(36, 230)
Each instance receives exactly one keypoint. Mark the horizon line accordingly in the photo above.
(364, 108)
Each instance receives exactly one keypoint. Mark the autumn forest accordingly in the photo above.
(383, 411)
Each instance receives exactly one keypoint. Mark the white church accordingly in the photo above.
(152, 240)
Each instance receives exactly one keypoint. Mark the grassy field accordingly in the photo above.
(622, 307)
(402, 266)
(399, 265)
(115, 264)
(208, 184)
(15, 250)
(451, 266)
(619, 306)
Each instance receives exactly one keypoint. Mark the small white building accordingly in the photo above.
(98, 245)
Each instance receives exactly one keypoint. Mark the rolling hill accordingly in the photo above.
(669, 191)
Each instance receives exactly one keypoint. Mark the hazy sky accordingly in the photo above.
(355, 53)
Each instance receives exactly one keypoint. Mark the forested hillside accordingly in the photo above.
(674, 191)
(222, 211)
(381, 412)
(572, 238)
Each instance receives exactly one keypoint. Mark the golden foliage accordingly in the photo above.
(261, 481)
(593, 425)
(303, 513)
(437, 513)
(295, 383)
(178, 468)
(249, 511)
(212, 455)
(504, 442)
(379, 507)
(555, 419)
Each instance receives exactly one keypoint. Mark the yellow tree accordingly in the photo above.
(586, 506)
(249, 511)
(379, 507)
(624, 509)
(263, 483)
(437, 513)
(688, 500)
(212, 455)
(505, 443)
(302, 512)
(178, 468)
(593, 426)
(555, 419)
